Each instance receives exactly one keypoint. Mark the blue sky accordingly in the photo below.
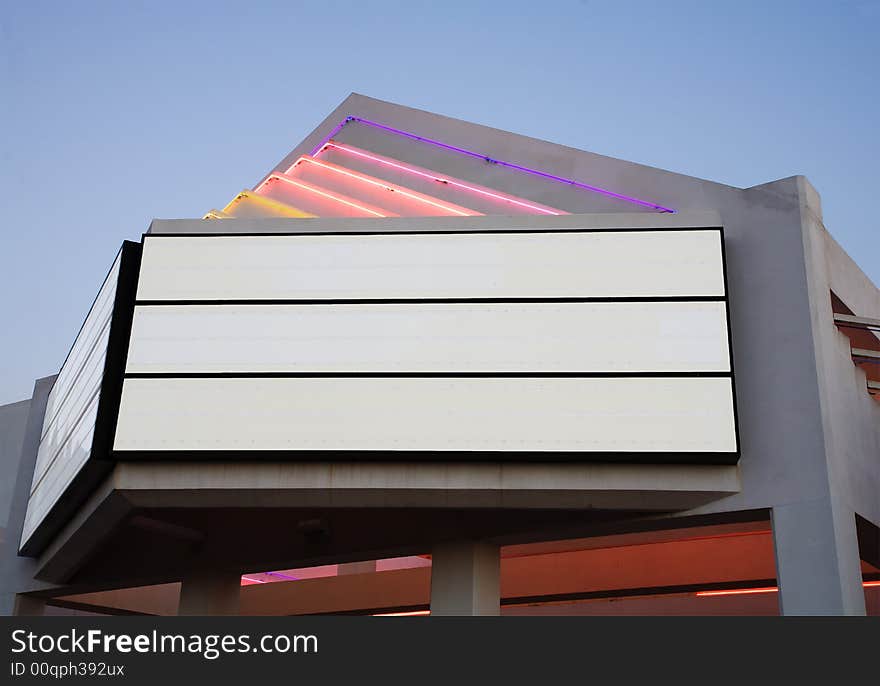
(117, 112)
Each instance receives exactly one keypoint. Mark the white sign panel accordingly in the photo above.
(617, 415)
(431, 337)
(569, 264)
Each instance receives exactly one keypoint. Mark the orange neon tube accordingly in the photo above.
(283, 208)
(767, 589)
(302, 185)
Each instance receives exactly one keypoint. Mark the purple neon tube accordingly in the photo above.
(509, 165)
(330, 135)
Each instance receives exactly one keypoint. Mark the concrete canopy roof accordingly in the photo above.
(379, 126)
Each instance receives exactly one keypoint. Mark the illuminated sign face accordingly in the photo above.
(527, 344)
(82, 405)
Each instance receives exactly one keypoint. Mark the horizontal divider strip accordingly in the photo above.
(423, 375)
(429, 232)
(447, 301)
(861, 327)
(499, 456)
(635, 592)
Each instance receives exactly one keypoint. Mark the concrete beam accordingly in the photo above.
(859, 322)
(377, 484)
(698, 219)
(698, 558)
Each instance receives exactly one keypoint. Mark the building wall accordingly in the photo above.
(810, 435)
(777, 307)
(851, 418)
(13, 420)
(24, 420)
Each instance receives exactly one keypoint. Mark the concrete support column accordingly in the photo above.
(817, 559)
(210, 594)
(28, 606)
(465, 579)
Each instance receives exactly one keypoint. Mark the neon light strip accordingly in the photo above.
(318, 191)
(768, 589)
(283, 576)
(384, 186)
(415, 613)
(509, 165)
(738, 591)
(271, 203)
(336, 129)
(439, 179)
(286, 577)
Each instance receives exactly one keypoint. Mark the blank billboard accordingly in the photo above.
(609, 343)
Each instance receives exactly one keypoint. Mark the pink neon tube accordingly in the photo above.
(317, 191)
(439, 179)
(462, 212)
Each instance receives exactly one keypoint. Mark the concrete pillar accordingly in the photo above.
(28, 606)
(817, 559)
(465, 579)
(18, 451)
(210, 594)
